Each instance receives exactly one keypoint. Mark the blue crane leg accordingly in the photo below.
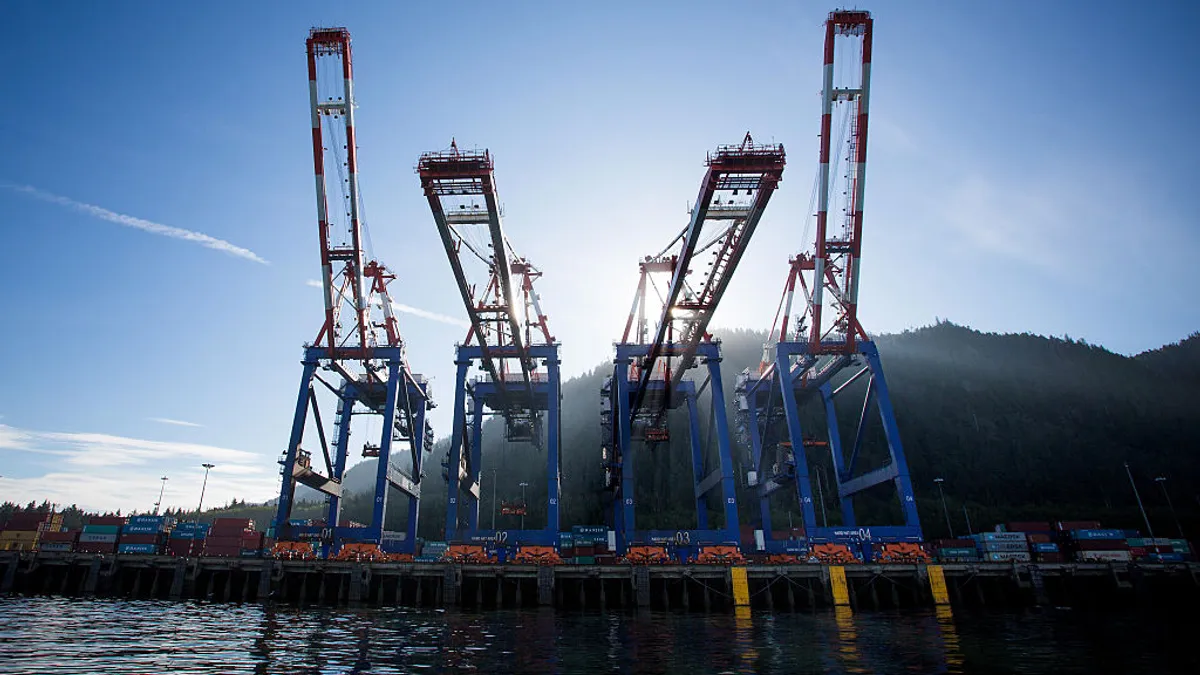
(476, 462)
(414, 503)
(456, 441)
(697, 461)
(764, 501)
(379, 509)
(728, 493)
(288, 484)
(625, 441)
(342, 435)
(835, 453)
(903, 483)
(553, 449)
(792, 414)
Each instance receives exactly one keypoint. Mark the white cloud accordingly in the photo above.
(314, 283)
(139, 223)
(432, 316)
(104, 471)
(178, 423)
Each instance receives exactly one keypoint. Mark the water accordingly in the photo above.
(44, 635)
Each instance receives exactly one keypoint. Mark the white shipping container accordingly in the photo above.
(1105, 556)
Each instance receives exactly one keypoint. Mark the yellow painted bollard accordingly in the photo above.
(937, 584)
(741, 587)
(837, 584)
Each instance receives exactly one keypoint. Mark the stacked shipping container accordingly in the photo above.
(23, 530)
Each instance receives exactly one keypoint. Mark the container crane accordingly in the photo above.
(359, 346)
(509, 338)
(822, 352)
(652, 359)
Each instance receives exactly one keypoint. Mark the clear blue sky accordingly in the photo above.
(1031, 168)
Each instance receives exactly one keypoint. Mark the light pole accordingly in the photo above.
(204, 485)
(1137, 496)
(523, 505)
(968, 517)
(945, 509)
(160, 494)
(1162, 483)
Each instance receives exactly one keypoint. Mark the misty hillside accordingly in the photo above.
(1019, 426)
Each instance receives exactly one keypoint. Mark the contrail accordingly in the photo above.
(140, 223)
(178, 423)
(432, 316)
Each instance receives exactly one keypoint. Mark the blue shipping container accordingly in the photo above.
(143, 549)
(1098, 534)
(1003, 536)
(1041, 547)
(141, 529)
(1167, 557)
(147, 520)
(590, 529)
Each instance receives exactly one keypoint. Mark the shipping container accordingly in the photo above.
(138, 549)
(1038, 537)
(141, 529)
(139, 538)
(585, 560)
(56, 546)
(59, 537)
(1045, 547)
(1050, 557)
(1103, 556)
(106, 520)
(1169, 557)
(233, 523)
(1098, 534)
(1002, 536)
(95, 547)
(1101, 545)
(89, 538)
(1013, 556)
(101, 529)
(590, 529)
(1004, 547)
(957, 552)
(954, 543)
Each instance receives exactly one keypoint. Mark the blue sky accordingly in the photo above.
(1031, 168)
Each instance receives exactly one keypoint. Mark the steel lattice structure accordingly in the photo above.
(359, 342)
(809, 363)
(508, 337)
(652, 359)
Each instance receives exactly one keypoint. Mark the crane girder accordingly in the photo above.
(753, 168)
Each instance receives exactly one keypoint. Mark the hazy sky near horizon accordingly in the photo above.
(1030, 168)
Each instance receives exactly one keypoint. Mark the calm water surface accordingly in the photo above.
(56, 635)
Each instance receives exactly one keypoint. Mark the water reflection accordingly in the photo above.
(39, 635)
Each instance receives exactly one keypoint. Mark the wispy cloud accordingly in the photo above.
(139, 223)
(314, 283)
(432, 316)
(178, 423)
(104, 471)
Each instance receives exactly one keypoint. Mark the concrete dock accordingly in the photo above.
(803, 587)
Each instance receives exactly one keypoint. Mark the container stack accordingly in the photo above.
(1002, 546)
(59, 542)
(431, 551)
(1040, 536)
(23, 530)
(956, 550)
(100, 534)
(144, 535)
(227, 536)
(589, 541)
(1099, 545)
(187, 539)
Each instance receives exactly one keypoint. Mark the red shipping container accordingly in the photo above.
(1051, 557)
(239, 523)
(106, 520)
(1102, 545)
(953, 543)
(1038, 538)
(229, 532)
(139, 539)
(1138, 551)
(223, 540)
(184, 547)
(585, 550)
(60, 536)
